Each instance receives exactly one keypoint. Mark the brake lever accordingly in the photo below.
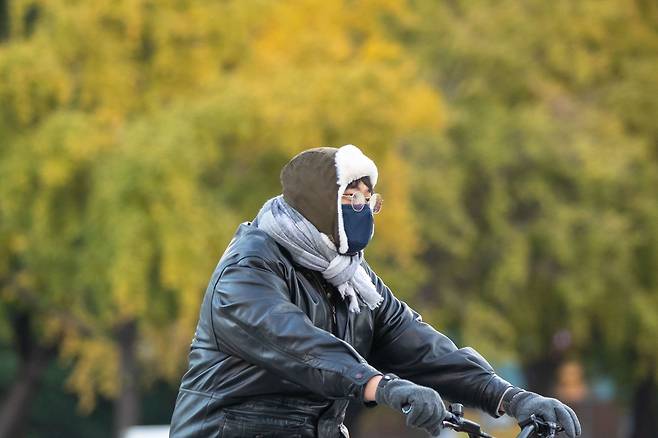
(544, 429)
(455, 420)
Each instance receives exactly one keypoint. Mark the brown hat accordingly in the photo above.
(314, 180)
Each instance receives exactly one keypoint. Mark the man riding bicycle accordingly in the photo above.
(295, 324)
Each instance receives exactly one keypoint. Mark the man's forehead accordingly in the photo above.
(360, 187)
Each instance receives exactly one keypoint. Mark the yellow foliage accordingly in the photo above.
(136, 136)
(96, 367)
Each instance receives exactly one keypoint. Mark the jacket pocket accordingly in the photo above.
(237, 423)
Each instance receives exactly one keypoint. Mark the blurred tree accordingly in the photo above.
(135, 136)
(138, 137)
(542, 219)
(40, 224)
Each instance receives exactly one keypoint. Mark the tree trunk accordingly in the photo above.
(4, 20)
(127, 406)
(33, 361)
(541, 374)
(645, 409)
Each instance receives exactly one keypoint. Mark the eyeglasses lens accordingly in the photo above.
(376, 202)
(358, 201)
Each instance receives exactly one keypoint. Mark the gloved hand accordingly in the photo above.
(526, 403)
(422, 406)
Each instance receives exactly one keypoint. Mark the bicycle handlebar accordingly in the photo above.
(527, 431)
(455, 420)
(532, 427)
(536, 426)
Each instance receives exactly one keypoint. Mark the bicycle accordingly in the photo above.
(533, 427)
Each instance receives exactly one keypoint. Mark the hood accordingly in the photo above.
(314, 180)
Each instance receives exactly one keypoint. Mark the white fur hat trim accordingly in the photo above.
(351, 164)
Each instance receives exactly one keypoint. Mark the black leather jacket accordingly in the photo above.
(276, 349)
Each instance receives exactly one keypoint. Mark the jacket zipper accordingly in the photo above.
(334, 329)
(332, 307)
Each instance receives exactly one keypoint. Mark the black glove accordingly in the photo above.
(526, 403)
(422, 406)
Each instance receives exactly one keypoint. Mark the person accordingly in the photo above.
(295, 324)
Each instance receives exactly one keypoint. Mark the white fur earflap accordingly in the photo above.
(351, 164)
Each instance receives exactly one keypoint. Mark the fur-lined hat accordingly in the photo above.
(314, 180)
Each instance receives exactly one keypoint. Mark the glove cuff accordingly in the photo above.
(380, 393)
(509, 395)
(518, 398)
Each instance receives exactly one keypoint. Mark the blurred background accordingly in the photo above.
(517, 144)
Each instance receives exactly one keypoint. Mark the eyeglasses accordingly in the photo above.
(359, 200)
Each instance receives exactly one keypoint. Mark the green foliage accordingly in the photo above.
(540, 196)
(139, 137)
(516, 142)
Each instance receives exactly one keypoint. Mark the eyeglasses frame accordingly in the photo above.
(351, 196)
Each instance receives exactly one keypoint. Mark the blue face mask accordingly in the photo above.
(358, 227)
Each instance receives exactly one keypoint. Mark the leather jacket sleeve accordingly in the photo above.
(253, 318)
(414, 350)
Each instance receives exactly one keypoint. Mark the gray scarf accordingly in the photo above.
(315, 251)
